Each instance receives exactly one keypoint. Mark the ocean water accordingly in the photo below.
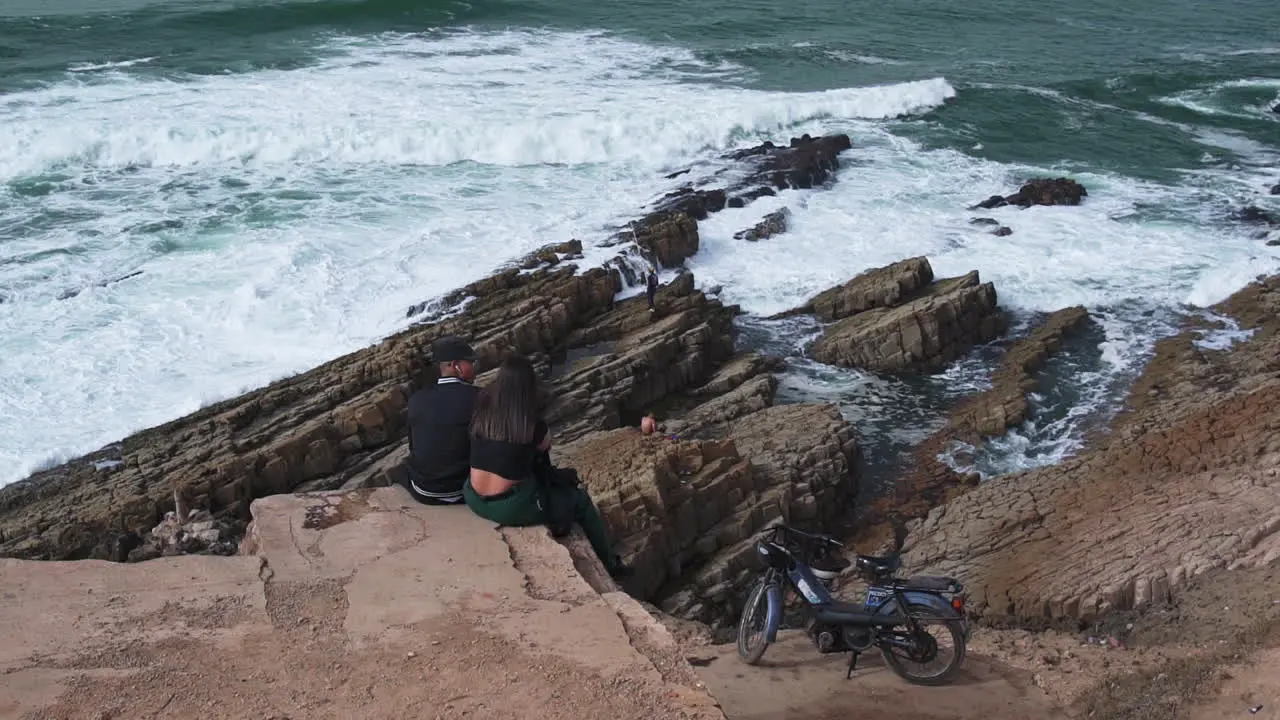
(200, 196)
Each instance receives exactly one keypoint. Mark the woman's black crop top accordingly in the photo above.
(505, 459)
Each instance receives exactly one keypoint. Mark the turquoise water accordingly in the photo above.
(287, 177)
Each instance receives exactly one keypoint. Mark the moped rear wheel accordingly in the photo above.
(752, 633)
(935, 653)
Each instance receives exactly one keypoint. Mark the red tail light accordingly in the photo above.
(957, 602)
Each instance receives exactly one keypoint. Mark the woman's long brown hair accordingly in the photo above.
(507, 408)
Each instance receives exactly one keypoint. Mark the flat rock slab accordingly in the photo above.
(358, 604)
(795, 682)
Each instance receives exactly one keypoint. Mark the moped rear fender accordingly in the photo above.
(773, 613)
(937, 603)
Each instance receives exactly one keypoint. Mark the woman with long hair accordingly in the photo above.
(507, 438)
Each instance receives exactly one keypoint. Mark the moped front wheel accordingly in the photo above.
(753, 636)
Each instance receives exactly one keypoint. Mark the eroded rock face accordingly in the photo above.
(929, 329)
(1040, 191)
(686, 511)
(1187, 481)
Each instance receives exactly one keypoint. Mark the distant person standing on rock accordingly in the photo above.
(507, 440)
(439, 417)
(651, 286)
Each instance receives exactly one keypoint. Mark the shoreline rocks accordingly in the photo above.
(687, 511)
(1185, 482)
(667, 235)
(926, 481)
(342, 425)
(898, 319)
(1039, 191)
(775, 223)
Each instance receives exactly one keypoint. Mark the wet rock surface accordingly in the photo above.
(668, 233)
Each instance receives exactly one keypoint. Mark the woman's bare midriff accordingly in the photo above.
(487, 484)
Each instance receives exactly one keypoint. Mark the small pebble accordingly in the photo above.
(412, 655)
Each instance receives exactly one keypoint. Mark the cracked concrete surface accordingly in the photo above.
(360, 604)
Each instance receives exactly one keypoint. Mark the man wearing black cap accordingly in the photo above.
(439, 416)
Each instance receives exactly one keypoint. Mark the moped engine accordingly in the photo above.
(826, 637)
(859, 639)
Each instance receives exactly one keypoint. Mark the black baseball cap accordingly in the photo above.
(452, 348)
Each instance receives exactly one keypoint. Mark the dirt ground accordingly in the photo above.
(795, 682)
(1213, 653)
(397, 611)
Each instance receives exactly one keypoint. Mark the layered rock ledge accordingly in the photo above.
(898, 319)
(342, 605)
(687, 511)
(1188, 480)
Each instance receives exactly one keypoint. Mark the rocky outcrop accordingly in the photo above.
(927, 480)
(1040, 191)
(331, 426)
(342, 425)
(342, 605)
(895, 319)
(668, 234)
(1275, 189)
(1255, 214)
(550, 255)
(686, 511)
(884, 287)
(1187, 481)
(806, 162)
(1005, 404)
(775, 223)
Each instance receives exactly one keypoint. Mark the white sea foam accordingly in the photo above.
(1224, 333)
(512, 99)
(281, 218)
(897, 200)
(117, 65)
(1216, 99)
(1129, 252)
